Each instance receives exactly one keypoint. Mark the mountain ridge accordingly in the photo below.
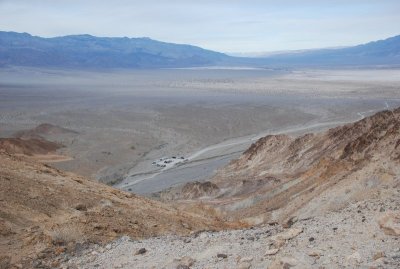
(90, 52)
(380, 52)
(87, 51)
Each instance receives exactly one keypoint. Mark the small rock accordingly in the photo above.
(59, 250)
(81, 207)
(244, 265)
(288, 223)
(311, 239)
(278, 243)
(354, 258)
(287, 235)
(390, 223)
(246, 259)
(379, 255)
(288, 262)
(271, 251)
(203, 236)
(283, 263)
(141, 251)
(182, 266)
(183, 263)
(222, 256)
(314, 254)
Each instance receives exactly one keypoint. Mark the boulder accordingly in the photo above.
(141, 251)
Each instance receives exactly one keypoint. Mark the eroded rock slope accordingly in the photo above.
(45, 212)
(282, 177)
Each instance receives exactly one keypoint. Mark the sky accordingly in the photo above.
(223, 25)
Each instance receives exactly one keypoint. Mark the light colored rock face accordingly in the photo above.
(390, 223)
(350, 238)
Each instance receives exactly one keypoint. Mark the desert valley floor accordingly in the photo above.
(123, 121)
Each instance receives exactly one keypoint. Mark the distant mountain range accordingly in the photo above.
(86, 51)
(90, 52)
(382, 52)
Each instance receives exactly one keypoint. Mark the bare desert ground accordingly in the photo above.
(124, 120)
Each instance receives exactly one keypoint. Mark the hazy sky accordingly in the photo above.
(223, 25)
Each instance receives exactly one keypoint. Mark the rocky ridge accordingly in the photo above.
(280, 177)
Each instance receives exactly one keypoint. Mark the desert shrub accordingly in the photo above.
(67, 234)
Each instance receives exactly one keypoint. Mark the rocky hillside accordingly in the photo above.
(282, 177)
(45, 212)
(362, 235)
(29, 147)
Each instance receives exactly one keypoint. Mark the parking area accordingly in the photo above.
(169, 161)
